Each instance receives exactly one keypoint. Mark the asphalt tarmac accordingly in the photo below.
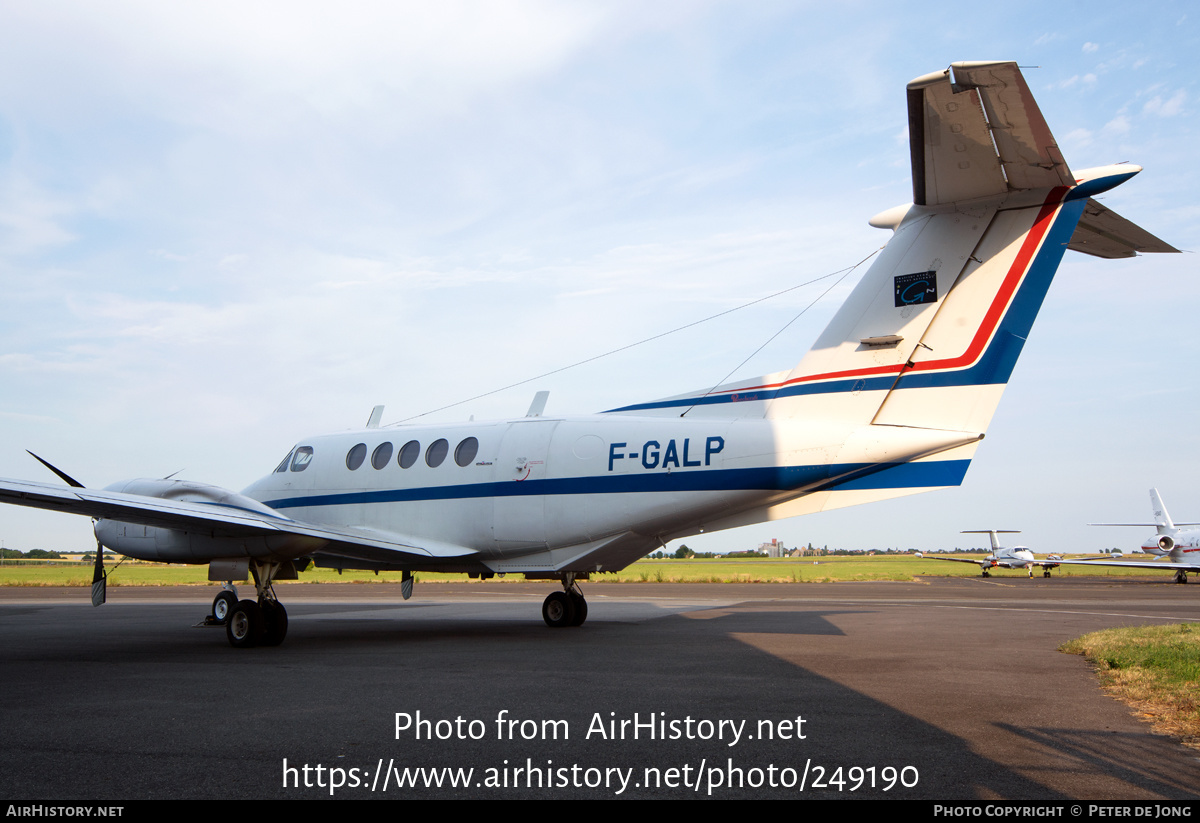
(939, 690)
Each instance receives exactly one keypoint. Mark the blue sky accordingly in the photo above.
(228, 226)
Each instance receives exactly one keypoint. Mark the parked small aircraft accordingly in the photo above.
(891, 400)
(1017, 557)
(1178, 550)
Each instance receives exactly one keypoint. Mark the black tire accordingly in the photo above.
(558, 610)
(275, 623)
(580, 609)
(245, 625)
(223, 604)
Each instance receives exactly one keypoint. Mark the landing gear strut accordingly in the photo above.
(565, 608)
(261, 623)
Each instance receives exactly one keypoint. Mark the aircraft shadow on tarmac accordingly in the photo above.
(210, 723)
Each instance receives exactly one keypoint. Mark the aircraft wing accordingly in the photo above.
(1135, 564)
(983, 564)
(222, 519)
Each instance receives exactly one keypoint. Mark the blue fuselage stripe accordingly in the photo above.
(769, 479)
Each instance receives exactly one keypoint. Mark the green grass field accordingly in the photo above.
(696, 570)
(1154, 669)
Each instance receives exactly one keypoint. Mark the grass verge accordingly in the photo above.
(1153, 669)
(695, 570)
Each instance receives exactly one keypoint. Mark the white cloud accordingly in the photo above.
(1088, 48)
(1077, 138)
(1166, 108)
(1118, 125)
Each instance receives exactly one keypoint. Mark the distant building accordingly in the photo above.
(772, 549)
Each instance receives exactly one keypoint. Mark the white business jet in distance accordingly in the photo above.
(1016, 557)
(892, 400)
(1177, 549)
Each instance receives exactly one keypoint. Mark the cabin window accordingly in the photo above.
(409, 454)
(356, 456)
(382, 455)
(302, 458)
(436, 453)
(464, 455)
(283, 466)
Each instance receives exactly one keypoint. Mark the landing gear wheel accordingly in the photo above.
(580, 608)
(1180, 577)
(1046, 573)
(223, 604)
(558, 610)
(245, 625)
(275, 623)
(986, 573)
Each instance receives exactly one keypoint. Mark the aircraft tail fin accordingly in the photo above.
(948, 303)
(992, 534)
(929, 336)
(1162, 520)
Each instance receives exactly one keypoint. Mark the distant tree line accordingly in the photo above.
(32, 554)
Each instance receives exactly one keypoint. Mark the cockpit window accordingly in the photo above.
(382, 455)
(283, 466)
(302, 458)
(356, 456)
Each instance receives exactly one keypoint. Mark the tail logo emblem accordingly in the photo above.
(912, 289)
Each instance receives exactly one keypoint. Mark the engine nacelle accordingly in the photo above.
(1166, 543)
(144, 539)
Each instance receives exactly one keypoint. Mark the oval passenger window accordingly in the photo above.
(409, 454)
(466, 451)
(382, 455)
(436, 453)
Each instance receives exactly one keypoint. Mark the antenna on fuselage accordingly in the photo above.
(538, 405)
(376, 415)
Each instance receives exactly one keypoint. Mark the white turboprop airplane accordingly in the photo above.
(1178, 550)
(1016, 557)
(892, 400)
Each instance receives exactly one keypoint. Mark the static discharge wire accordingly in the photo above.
(817, 299)
(843, 272)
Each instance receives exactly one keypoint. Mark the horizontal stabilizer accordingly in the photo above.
(975, 131)
(1104, 233)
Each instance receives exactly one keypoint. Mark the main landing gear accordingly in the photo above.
(1181, 576)
(253, 623)
(565, 608)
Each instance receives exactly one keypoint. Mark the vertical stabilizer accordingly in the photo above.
(927, 340)
(1162, 520)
